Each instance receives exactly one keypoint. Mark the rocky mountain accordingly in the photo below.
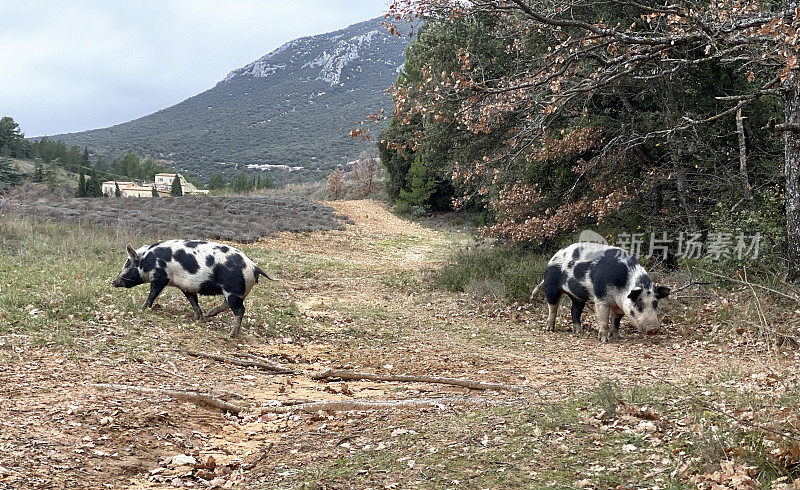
(289, 112)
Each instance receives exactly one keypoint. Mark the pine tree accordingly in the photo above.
(423, 185)
(38, 172)
(94, 186)
(81, 192)
(85, 158)
(8, 173)
(117, 192)
(49, 175)
(176, 190)
(154, 191)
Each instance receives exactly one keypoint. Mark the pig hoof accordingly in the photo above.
(603, 337)
(550, 327)
(577, 328)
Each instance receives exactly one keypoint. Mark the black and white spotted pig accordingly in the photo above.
(611, 277)
(195, 267)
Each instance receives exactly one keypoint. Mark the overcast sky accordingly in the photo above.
(68, 66)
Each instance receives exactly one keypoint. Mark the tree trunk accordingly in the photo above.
(746, 192)
(791, 140)
(676, 154)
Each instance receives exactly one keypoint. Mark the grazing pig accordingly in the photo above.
(611, 277)
(195, 267)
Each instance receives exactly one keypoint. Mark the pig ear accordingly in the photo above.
(131, 252)
(662, 292)
(635, 292)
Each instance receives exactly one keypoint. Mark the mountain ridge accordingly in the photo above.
(288, 111)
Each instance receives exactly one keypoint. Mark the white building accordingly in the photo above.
(110, 186)
(163, 185)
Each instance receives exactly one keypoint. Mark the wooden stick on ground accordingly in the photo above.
(468, 383)
(262, 359)
(242, 362)
(347, 405)
(195, 397)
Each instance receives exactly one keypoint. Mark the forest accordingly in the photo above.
(629, 118)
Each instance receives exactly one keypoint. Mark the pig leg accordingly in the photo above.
(218, 309)
(601, 311)
(577, 309)
(552, 312)
(615, 319)
(192, 297)
(237, 307)
(156, 286)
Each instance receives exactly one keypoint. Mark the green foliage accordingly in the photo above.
(177, 189)
(439, 140)
(117, 192)
(131, 166)
(264, 182)
(665, 182)
(242, 183)
(9, 175)
(48, 175)
(38, 172)
(217, 182)
(154, 192)
(12, 141)
(421, 187)
(518, 269)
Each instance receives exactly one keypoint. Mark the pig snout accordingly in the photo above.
(116, 282)
(651, 329)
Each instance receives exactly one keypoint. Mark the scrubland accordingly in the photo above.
(710, 401)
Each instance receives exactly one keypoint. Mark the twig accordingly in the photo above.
(171, 373)
(691, 283)
(195, 397)
(747, 283)
(346, 405)
(475, 385)
(262, 359)
(241, 362)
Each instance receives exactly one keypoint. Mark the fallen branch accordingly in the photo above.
(264, 360)
(747, 283)
(195, 397)
(347, 405)
(241, 362)
(468, 383)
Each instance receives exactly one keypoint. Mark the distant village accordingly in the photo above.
(162, 186)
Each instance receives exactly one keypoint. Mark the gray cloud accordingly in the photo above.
(71, 66)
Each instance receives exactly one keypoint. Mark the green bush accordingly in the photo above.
(518, 269)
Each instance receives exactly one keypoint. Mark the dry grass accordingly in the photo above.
(358, 299)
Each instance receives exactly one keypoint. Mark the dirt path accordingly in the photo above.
(358, 292)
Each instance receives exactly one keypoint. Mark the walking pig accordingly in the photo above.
(195, 267)
(611, 277)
